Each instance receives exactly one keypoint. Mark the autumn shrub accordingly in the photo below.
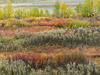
(2, 23)
(78, 23)
(61, 22)
(11, 22)
(22, 23)
(2, 56)
(31, 19)
(36, 59)
(59, 57)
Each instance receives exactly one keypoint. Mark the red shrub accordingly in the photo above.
(31, 19)
(34, 58)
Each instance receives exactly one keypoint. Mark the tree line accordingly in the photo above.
(86, 9)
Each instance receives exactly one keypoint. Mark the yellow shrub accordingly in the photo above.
(38, 18)
(59, 55)
(2, 56)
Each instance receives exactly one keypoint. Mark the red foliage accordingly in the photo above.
(31, 19)
(34, 58)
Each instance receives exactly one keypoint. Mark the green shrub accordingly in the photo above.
(14, 67)
(78, 23)
(84, 36)
(6, 39)
(18, 67)
(22, 35)
(75, 57)
(11, 47)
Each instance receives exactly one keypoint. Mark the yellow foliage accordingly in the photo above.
(97, 4)
(38, 18)
(59, 55)
(8, 11)
(2, 56)
(63, 8)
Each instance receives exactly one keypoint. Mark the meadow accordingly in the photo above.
(35, 42)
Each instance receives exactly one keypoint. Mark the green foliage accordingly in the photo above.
(80, 69)
(11, 47)
(97, 5)
(69, 12)
(1, 13)
(8, 11)
(34, 12)
(87, 8)
(85, 36)
(14, 67)
(79, 23)
(23, 13)
(47, 14)
(56, 8)
(18, 67)
(18, 14)
(78, 8)
(41, 14)
(22, 35)
(6, 39)
(78, 58)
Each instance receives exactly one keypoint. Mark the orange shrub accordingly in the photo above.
(61, 22)
(59, 58)
(34, 58)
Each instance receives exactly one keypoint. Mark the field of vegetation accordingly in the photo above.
(35, 42)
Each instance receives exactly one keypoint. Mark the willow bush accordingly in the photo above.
(18, 67)
(84, 36)
(11, 47)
